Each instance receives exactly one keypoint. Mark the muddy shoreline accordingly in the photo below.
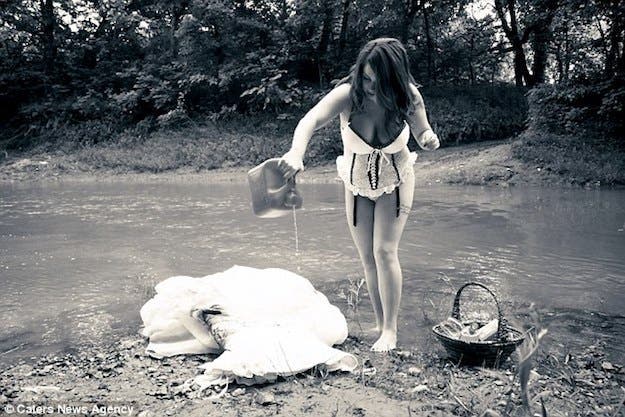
(402, 383)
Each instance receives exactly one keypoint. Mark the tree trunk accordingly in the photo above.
(344, 25)
(521, 72)
(539, 46)
(324, 39)
(560, 63)
(47, 36)
(90, 54)
(178, 9)
(520, 62)
(471, 54)
(429, 46)
(562, 56)
(412, 7)
(612, 57)
(326, 28)
(541, 38)
(620, 64)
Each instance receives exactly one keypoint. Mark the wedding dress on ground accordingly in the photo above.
(265, 323)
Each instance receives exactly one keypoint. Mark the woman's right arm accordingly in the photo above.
(325, 110)
(419, 125)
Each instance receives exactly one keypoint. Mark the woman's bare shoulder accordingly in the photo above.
(340, 98)
(331, 105)
(342, 90)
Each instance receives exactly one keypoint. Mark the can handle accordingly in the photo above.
(455, 313)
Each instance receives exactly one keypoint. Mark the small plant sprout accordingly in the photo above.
(526, 352)
(354, 297)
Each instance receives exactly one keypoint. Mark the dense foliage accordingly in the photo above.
(590, 108)
(111, 65)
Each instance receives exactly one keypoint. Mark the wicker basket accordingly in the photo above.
(487, 352)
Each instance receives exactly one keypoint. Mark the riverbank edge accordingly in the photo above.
(403, 382)
(485, 164)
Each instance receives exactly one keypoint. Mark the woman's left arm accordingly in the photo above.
(419, 125)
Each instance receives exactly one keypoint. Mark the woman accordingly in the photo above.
(378, 106)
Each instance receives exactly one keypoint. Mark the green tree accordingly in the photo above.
(523, 21)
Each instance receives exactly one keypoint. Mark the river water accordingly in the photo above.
(78, 260)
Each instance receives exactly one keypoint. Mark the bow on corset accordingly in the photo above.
(373, 166)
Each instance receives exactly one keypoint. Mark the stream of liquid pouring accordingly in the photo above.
(296, 241)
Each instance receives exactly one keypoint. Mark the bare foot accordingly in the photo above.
(386, 342)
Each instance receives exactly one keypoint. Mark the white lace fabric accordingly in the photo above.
(356, 179)
(371, 172)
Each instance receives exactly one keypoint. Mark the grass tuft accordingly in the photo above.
(579, 160)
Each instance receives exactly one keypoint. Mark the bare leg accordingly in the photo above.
(387, 231)
(362, 235)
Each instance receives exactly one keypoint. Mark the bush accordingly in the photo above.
(587, 108)
(173, 119)
(465, 114)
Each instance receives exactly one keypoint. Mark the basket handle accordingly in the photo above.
(455, 313)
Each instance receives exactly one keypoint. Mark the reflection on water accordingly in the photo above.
(77, 261)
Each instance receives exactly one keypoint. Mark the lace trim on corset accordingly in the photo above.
(344, 167)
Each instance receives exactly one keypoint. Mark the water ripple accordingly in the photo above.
(92, 253)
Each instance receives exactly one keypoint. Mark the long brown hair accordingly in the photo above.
(389, 61)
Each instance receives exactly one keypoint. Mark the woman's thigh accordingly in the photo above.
(362, 233)
(388, 227)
